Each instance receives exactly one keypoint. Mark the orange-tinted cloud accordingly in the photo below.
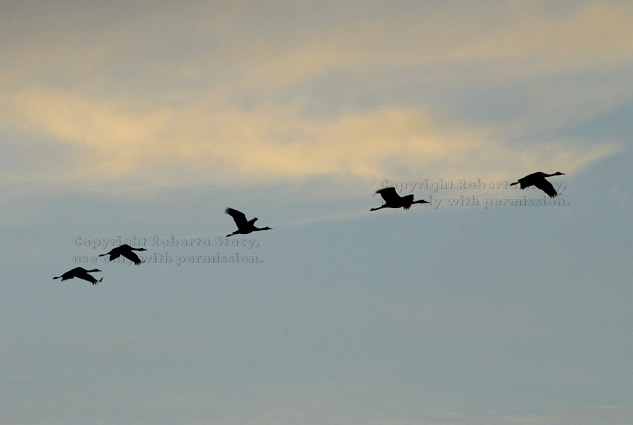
(117, 139)
(94, 105)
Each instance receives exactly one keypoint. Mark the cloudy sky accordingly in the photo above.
(141, 121)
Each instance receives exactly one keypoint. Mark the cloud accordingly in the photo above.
(121, 139)
(483, 41)
(307, 412)
(247, 99)
(590, 415)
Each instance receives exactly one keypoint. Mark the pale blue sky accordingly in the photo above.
(147, 119)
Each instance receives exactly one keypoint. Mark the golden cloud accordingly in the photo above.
(177, 136)
(117, 139)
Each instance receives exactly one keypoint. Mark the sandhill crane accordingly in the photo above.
(393, 200)
(538, 179)
(243, 226)
(80, 273)
(127, 251)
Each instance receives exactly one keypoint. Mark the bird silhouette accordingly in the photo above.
(538, 179)
(393, 200)
(80, 273)
(127, 251)
(244, 227)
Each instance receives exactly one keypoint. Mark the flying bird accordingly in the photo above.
(127, 251)
(538, 180)
(243, 226)
(80, 273)
(393, 200)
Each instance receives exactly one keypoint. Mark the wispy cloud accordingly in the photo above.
(119, 139)
(237, 106)
(313, 413)
(595, 415)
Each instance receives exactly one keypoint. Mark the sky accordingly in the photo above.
(140, 121)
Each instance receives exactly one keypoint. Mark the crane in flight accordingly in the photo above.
(538, 179)
(244, 226)
(393, 200)
(125, 250)
(80, 273)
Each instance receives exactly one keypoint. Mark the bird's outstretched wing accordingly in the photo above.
(130, 255)
(83, 274)
(238, 217)
(69, 274)
(546, 187)
(529, 180)
(389, 194)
